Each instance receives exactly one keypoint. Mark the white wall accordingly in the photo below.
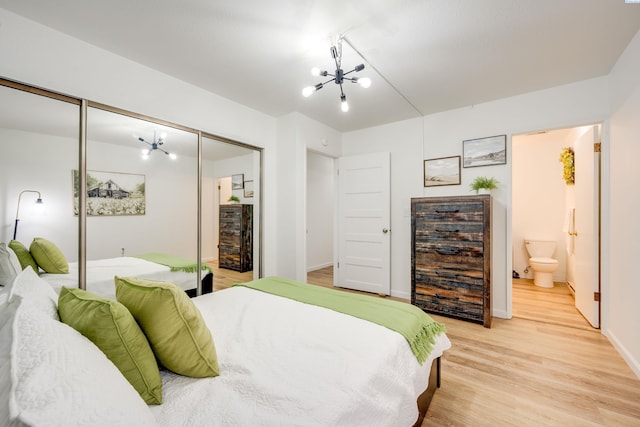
(297, 134)
(320, 209)
(621, 272)
(538, 197)
(40, 56)
(26, 164)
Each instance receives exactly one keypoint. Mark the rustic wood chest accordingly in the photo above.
(451, 256)
(235, 248)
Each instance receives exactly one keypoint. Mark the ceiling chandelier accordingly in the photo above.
(155, 145)
(338, 77)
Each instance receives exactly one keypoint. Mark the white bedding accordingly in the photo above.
(100, 274)
(285, 363)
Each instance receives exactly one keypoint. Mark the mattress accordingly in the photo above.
(100, 274)
(286, 363)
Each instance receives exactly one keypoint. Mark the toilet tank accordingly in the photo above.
(540, 248)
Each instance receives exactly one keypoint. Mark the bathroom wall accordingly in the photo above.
(539, 196)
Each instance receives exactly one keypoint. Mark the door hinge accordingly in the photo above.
(597, 147)
(596, 296)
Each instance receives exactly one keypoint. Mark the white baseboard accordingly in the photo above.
(501, 314)
(401, 294)
(318, 267)
(631, 361)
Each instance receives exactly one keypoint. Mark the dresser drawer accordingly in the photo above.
(451, 232)
(450, 306)
(469, 254)
(465, 282)
(454, 212)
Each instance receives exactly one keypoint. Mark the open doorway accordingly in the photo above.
(320, 218)
(560, 217)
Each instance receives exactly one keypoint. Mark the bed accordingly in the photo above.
(281, 362)
(100, 273)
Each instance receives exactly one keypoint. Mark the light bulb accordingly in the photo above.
(307, 91)
(172, 156)
(315, 71)
(145, 151)
(163, 135)
(365, 82)
(343, 104)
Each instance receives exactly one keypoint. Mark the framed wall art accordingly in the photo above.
(111, 193)
(237, 181)
(248, 189)
(487, 151)
(442, 171)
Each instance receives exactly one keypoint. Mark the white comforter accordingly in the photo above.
(285, 363)
(100, 274)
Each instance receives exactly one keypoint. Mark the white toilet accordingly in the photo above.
(541, 261)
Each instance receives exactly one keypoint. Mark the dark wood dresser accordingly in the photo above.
(235, 247)
(451, 256)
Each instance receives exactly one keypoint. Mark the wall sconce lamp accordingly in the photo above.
(38, 202)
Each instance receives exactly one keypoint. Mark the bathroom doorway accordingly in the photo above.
(545, 207)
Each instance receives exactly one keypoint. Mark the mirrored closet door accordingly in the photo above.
(39, 150)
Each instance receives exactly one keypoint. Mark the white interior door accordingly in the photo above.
(587, 259)
(363, 240)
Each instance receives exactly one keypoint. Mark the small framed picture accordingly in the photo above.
(442, 171)
(487, 151)
(248, 189)
(237, 181)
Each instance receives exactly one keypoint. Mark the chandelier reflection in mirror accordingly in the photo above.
(338, 77)
(155, 145)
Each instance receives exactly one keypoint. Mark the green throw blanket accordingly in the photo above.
(174, 263)
(411, 322)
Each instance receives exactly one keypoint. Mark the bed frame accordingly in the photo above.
(424, 400)
(207, 286)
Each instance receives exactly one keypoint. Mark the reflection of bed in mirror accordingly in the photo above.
(101, 272)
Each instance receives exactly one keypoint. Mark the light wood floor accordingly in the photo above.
(223, 278)
(525, 372)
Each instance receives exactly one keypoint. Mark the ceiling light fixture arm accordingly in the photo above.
(155, 145)
(339, 77)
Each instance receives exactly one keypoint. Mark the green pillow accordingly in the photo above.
(114, 331)
(48, 256)
(172, 323)
(23, 255)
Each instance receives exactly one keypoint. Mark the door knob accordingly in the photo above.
(385, 231)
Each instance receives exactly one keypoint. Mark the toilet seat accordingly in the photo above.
(543, 260)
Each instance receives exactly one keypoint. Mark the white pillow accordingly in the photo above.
(7, 313)
(60, 378)
(9, 265)
(33, 288)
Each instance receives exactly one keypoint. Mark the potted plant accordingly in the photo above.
(234, 199)
(484, 185)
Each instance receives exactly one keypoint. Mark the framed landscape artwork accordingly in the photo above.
(442, 171)
(485, 151)
(111, 193)
(237, 181)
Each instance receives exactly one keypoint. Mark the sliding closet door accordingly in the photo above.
(142, 187)
(231, 176)
(39, 149)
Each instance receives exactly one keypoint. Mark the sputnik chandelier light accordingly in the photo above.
(155, 145)
(338, 77)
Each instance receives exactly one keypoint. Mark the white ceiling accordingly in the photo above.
(423, 56)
